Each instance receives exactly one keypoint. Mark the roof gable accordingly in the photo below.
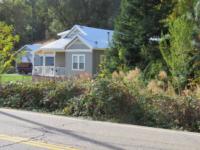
(97, 38)
(78, 44)
(74, 31)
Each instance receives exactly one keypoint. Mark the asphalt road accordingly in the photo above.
(21, 130)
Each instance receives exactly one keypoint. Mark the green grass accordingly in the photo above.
(14, 78)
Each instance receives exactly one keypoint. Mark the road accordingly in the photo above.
(22, 130)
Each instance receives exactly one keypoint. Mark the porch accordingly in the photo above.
(49, 64)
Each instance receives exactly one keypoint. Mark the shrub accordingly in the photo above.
(124, 97)
(119, 99)
(57, 97)
(41, 95)
(106, 99)
(21, 95)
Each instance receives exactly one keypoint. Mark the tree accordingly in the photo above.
(87, 12)
(178, 54)
(139, 20)
(16, 13)
(36, 20)
(195, 62)
(177, 50)
(7, 42)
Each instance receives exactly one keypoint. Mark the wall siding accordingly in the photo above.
(60, 59)
(78, 45)
(88, 63)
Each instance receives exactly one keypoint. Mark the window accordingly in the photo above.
(78, 62)
(49, 61)
(40, 61)
(102, 58)
(75, 62)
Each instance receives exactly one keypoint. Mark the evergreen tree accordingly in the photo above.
(195, 62)
(139, 20)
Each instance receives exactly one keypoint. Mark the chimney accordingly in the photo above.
(108, 37)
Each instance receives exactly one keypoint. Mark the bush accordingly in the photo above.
(49, 96)
(124, 97)
(168, 112)
(106, 99)
(11, 70)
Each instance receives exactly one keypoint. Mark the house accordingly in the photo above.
(25, 58)
(78, 50)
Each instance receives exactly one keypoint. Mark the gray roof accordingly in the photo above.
(96, 38)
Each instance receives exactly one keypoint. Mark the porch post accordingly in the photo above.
(43, 68)
(33, 64)
(54, 69)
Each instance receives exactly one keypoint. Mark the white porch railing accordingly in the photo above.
(48, 71)
(38, 70)
(59, 71)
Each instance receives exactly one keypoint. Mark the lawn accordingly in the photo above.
(15, 77)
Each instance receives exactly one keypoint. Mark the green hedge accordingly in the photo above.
(106, 99)
(113, 100)
(49, 96)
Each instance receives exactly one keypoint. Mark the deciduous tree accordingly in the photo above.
(7, 42)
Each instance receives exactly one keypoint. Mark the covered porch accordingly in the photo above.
(49, 63)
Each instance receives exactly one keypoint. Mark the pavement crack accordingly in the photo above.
(41, 136)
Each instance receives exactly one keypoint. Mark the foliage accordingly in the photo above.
(124, 97)
(137, 23)
(177, 55)
(147, 97)
(153, 69)
(105, 100)
(36, 20)
(195, 61)
(7, 42)
(47, 96)
(180, 47)
(14, 12)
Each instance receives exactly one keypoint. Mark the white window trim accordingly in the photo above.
(78, 55)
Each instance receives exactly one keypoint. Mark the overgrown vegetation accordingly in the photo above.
(47, 96)
(157, 35)
(125, 97)
(162, 38)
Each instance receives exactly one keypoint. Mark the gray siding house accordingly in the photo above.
(24, 59)
(78, 50)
